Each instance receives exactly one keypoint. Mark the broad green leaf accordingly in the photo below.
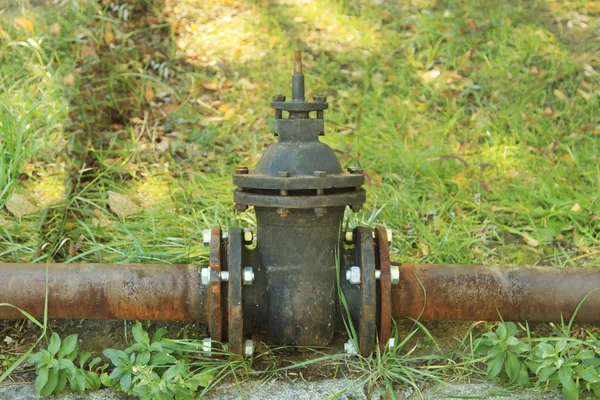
(159, 334)
(523, 378)
(512, 367)
(62, 382)
(501, 331)
(36, 359)
(68, 346)
(202, 379)
(570, 388)
(495, 366)
(83, 357)
(588, 373)
(42, 379)
(54, 344)
(139, 334)
(143, 358)
(68, 366)
(51, 384)
(125, 382)
(118, 357)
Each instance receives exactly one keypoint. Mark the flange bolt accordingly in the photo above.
(353, 275)
(349, 237)
(395, 274)
(388, 232)
(320, 211)
(206, 234)
(242, 170)
(207, 346)
(279, 97)
(283, 212)
(355, 170)
(248, 348)
(391, 344)
(248, 236)
(248, 276)
(206, 276)
(241, 207)
(320, 99)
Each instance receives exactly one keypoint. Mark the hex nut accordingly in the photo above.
(279, 97)
(353, 275)
(242, 170)
(356, 207)
(320, 174)
(224, 276)
(224, 235)
(388, 231)
(349, 236)
(205, 276)
(248, 348)
(283, 212)
(320, 211)
(351, 348)
(207, 346)
(377, 274)
(206, 235)
(248, 276)
(283, 174)
(241, 207)
(395, 274)
(355, 170)
(248, 236)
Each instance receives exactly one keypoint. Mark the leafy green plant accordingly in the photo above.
(503, 350)
(563, 362)
(54, 365)
(154, 369)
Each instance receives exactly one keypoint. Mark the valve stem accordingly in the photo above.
(298, 78)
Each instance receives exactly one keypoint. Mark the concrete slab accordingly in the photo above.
(342, 389)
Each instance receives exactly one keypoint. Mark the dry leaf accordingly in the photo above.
(210, 85)
(3, 222)
(272, 41)
(423, 248)
(100, 220)
(470, 23)
(452, 76)
(69, 80)
(576, 208)
(560, 95)
(529, 240)
(430, 75)
(586, 96)
(229, 114)
(54, 29)
(149, 94)
(19, 206)
(223, 107)
(24, 23)
(122, 204)
(88, 51)
(109, 37)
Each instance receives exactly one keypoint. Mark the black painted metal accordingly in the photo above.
(299, 192)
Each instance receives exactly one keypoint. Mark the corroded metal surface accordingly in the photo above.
(235, 317)
(103, 291)
(385, 287)
(368, 292)
(215, 297)
(483, 293)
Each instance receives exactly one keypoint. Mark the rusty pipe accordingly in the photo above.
(483, 293)
(104, 291)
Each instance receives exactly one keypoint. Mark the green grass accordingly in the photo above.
(477, 123)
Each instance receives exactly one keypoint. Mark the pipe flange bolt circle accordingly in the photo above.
(367, 330)
(215, 309)
(235, 316)
(385, 287)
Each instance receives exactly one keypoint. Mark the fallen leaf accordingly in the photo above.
(71, 225)
(3, 222)
(19, 206)
(87, 51)
(24, 23)
(560, 95)
(100, 220)
(210, 85)
(69, 80)
(430, 75)
(54, 29)
(423, 248)
(586, 96)
(272, 41)
(529, 240)
(452, 76)
(149, 94)
(576, 208)
(109, 37)
(470, 23)
(550, 112)
(229, 114)
(535, 71)
(8, 340)
(223, 107)
(122, 204)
